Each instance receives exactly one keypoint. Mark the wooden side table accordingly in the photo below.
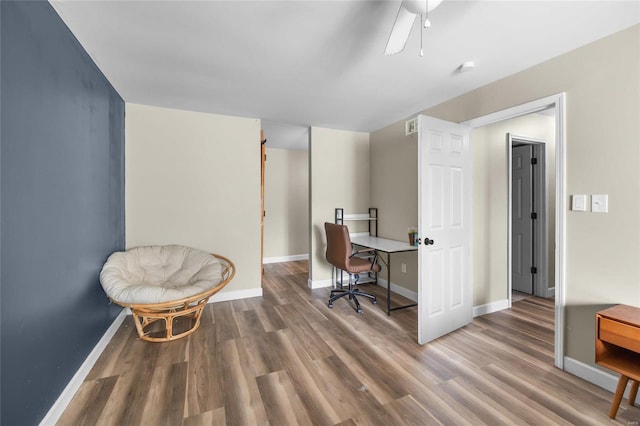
(618, 348)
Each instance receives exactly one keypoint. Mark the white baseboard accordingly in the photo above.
(56, 410)
(594, 375)
(279, 259)
(402, 291)
(58, 407)
(490, 307)
(319, 283)
(551, 292)
(225, 296)
(412, 295)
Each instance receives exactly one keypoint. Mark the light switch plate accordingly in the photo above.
(600, 203)
(579, 202)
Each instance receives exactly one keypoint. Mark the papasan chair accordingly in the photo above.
(169, 283)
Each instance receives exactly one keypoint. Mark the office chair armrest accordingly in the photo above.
(366, 250)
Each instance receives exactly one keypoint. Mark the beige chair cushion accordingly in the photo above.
(158, 274)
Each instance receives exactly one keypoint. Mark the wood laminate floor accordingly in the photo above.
(286, 359)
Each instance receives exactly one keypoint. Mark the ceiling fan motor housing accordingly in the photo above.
(420, 6)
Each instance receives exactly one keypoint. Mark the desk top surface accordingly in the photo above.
(383, 244)
(623, 313)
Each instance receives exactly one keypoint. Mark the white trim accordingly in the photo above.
(319, 283)
(291, 258)
(489, 308)
(516, 111)
(591, 374)
(58, 407)
(551, 292)
(402, 291)
(556, 101)
(225, 296)
(561, 233)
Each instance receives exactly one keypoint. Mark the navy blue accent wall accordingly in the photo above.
(62, 206)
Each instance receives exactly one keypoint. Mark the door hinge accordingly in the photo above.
(534, 215)
(534, 270)
(534, 161)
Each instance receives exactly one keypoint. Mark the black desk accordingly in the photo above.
(383, 245)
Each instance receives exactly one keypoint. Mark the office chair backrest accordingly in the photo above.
(338, 245)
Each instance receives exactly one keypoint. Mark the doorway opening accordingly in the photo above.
(286, 192)
(528, 233)
(554, 106)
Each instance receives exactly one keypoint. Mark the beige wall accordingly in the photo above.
(394, 191)
(194, 179)
(286, 224)
(603, 156)
(490, 202)
(339, 177)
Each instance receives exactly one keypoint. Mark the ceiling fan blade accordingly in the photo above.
(400, 31)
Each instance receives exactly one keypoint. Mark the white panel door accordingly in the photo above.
(521, 222)
(445, 301)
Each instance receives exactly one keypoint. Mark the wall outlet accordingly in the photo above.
(404, 268)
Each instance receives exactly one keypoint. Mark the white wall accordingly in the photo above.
(194, 179)
(286, 223)
(339, 177)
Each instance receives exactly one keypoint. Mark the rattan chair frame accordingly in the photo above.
(192, 307)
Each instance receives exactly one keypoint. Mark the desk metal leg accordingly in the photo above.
(388, 284)
(389, 308)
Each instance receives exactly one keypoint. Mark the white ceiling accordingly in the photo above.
(321, 63)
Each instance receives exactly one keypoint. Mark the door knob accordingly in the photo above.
(428, 242)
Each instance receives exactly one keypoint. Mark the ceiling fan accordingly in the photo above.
(407, 13)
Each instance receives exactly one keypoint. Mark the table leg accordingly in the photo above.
(633, 392)
(622, 385)
(388, 284)
(389, 308)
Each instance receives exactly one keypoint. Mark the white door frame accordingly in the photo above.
(556, 101)
(541, 243)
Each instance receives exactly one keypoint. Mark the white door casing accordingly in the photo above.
(445, 286)
(521, 209)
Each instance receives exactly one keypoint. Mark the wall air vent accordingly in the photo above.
(411, 126)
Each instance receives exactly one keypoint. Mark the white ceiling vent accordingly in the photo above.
(411, 126)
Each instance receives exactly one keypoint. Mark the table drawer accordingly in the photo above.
(620, 334)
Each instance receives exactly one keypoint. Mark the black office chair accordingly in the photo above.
(341, 255)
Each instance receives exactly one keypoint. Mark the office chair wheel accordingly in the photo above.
(359, 310)
(374, 301)
(330, 305)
